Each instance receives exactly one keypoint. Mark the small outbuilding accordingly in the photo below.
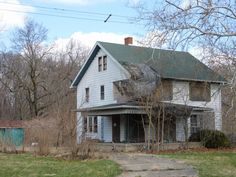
(12, 132)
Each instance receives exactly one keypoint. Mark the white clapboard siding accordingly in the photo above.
(181, 96)
(180, 135)
(107, 128)
(93, 79)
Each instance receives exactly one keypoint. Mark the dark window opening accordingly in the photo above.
(194, 124)
(90, 124)
(85, 124)
(104, 63)
(102, 92)
(99, 64)
(87, 94)
(95, 124)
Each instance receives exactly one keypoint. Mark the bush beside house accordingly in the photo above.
(211, 138)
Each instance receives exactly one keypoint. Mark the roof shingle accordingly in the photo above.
(167, 63)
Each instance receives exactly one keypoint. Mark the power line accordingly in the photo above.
(65, 16)
(69, 10)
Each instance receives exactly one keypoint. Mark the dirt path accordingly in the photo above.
(144, 165)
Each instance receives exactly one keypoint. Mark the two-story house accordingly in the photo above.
(106, 112)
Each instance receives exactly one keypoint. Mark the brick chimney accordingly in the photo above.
(128, 40)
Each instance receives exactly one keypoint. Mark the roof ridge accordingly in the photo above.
(145, 47)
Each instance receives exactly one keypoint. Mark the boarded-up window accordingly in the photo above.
(165, 90)
(200, 91)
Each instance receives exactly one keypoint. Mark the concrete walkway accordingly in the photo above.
(144, 165)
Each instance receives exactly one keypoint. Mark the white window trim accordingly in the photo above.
(93, 124)
(101, 65)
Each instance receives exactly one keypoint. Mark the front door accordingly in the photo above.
(116, 128)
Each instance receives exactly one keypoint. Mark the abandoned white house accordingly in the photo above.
(105, 111)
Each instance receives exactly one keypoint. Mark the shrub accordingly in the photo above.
(214, 139)
(86, 149)
(195, 137)
(211, 138)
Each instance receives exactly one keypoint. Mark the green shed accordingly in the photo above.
(12, 132)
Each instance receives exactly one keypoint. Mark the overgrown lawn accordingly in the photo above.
(26, 165)
(209, 164)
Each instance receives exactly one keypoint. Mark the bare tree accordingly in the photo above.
(34, 76)
(208, 25)
(28, 44)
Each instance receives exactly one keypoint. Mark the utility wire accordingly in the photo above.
(65, 16)
(68, 10)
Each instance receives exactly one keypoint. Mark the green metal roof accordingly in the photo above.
(167, 63)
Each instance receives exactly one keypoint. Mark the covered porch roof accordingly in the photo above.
(111, 109)
(134, 108)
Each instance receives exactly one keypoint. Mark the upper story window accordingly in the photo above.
(199, 91)
(102, 63)
(167, 87)
(102, 92)
(99, 64)
(165, 90)
(87, 94)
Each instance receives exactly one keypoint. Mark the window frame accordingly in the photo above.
(104, 60)
(102, 92)
(91, 124)
(87, 94)
(205, 93)
(167, 90)
(196, 125)
(85, 124)
(95, 124)
(100, 64)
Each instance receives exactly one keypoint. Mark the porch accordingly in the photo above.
(128, 123)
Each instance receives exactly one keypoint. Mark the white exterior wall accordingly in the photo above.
(93, 79)
(107, 129)
(180, 135)
(181, 96)
(80, 129)
(80, 126)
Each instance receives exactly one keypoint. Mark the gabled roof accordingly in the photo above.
(167, 63)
